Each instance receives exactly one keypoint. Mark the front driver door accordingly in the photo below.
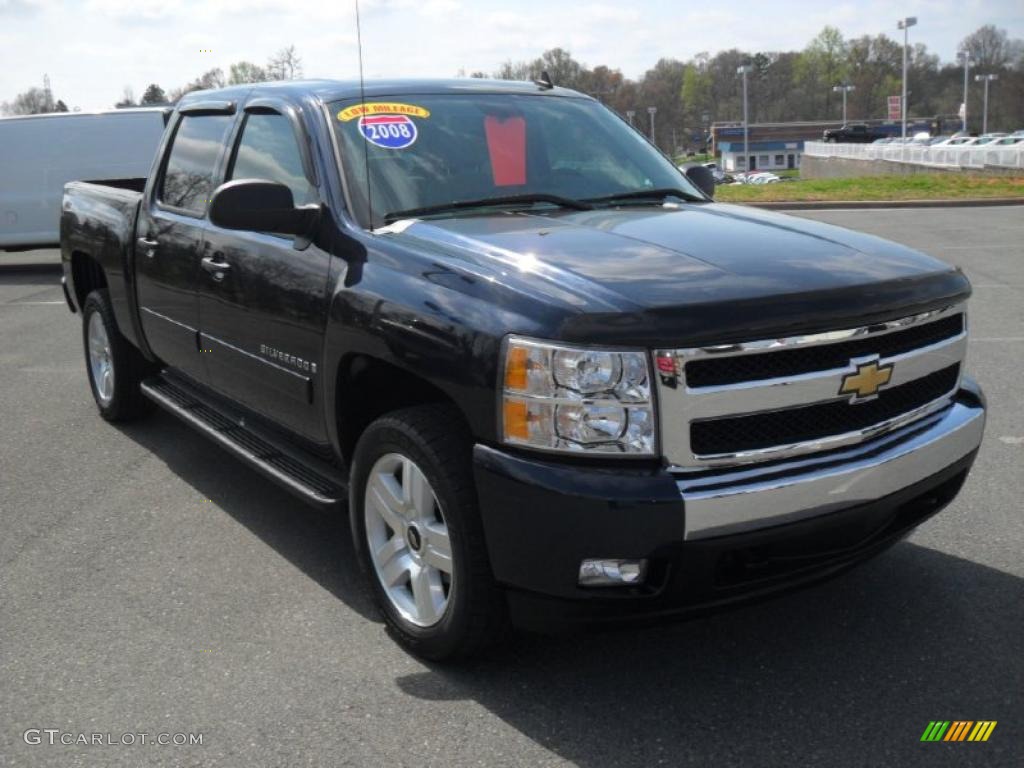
(170, 236)
(263, 301)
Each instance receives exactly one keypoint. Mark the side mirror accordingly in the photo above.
(702, 178)
(259, 206)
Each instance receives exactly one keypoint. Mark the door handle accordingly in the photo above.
(148, 246)
(218, 268)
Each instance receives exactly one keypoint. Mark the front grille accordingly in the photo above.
(737, 434)
(718, 371)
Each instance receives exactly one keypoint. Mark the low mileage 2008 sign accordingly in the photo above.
(386, 124)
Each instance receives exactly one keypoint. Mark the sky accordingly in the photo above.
(92, 49)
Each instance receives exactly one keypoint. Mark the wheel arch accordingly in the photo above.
(381, 387)
(87, 275)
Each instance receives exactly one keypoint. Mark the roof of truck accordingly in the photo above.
(333, 90)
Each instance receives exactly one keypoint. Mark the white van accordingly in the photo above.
(40, 153)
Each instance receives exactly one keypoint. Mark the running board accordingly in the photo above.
(313, 480)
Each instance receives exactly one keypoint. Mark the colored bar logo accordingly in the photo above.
(958, 730)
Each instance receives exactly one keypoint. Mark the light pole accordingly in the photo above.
(905, 25)
(965, 57)
(986, 79)
(652, 111)
(744, 71)
(844, 89)
(630, 114)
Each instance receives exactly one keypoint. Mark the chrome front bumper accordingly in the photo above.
(745, 498)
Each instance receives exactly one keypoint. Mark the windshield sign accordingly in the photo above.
(432, 151)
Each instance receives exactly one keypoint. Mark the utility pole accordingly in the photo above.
(986, 79)
(630, 114)
(652, 111)
(47, 94)
(844, 89)
(905, 25)
(965, 57)
(744, 71)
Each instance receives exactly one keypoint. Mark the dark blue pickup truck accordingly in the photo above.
(546, 377)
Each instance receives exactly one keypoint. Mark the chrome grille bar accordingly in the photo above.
(681, 404)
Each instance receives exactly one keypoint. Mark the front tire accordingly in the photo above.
(418, 534)
(115, 367)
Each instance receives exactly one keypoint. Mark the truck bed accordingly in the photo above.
(98, 218)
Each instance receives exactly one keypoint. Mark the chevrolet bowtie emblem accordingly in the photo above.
(865, 382)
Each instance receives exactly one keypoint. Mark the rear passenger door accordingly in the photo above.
(263, 315)
(170, 233)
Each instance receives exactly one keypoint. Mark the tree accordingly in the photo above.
(602, 83)
(991, 48)
(284, 65)
(34, 101)
(661, 87)
(60, 106)
(513, 70)
(213, 78)
(247, 72)
(154, 94)
(127, 98)
(822, 65)
(561, 67)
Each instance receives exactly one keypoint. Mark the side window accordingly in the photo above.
(268, 150)
(188, 178)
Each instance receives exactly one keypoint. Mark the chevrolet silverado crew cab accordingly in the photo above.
(549, 381)
(858, 133)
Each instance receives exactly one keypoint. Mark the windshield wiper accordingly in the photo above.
(647, 194)
(485, 202)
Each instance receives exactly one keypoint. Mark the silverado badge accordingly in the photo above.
(864, 383)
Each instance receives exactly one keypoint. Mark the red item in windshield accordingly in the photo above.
(506, 143)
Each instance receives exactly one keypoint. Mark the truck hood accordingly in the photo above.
(698, 269)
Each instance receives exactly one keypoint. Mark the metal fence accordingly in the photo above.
(938, 156)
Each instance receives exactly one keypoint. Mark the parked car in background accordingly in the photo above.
(988, 138)
(39, 154)
(858, 133)
(755, 177)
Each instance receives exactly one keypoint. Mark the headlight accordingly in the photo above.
(574, 399)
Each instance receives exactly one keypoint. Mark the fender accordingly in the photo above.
(423, 317)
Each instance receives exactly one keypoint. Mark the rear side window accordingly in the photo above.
(188, 179)
(268, 150)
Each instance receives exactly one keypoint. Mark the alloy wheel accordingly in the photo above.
(408, 540)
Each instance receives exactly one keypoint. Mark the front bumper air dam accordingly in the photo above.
(712, 538)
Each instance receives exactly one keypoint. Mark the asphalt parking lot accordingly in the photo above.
(149, 583)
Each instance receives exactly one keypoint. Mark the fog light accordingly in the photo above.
(612, 573)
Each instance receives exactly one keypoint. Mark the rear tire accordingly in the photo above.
(419, 518)
(115, 367)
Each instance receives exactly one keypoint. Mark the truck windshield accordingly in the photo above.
(432, 151)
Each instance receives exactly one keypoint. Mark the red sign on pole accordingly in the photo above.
(894, 108)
